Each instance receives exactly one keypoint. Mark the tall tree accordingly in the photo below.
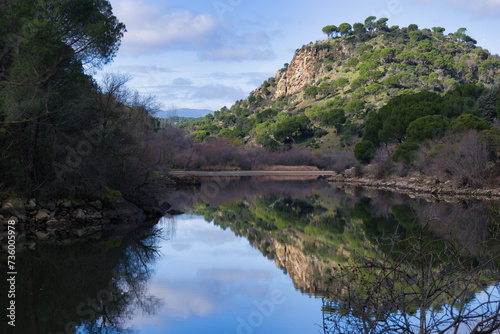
(370, 23)
(45, 43)
(344, 29)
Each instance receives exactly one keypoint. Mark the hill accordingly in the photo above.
(323, 98)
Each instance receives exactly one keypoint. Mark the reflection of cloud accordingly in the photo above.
(181, 247)
(212, 290)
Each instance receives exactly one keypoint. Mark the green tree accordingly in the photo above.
(438, 30)
(370, 23)
(359, 29)
(45, 47)
(405, 152)
(381, 24)
(333, 117)
(469, 122)
(427, 127)
(354, 106)
(413, 27)
(341, 83)
(364, 150)
(330, 30)
(345, 29)
(293, 128)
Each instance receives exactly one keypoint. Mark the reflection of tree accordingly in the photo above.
(413, 287)
(94, 285)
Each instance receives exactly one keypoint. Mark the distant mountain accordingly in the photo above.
(184, 112)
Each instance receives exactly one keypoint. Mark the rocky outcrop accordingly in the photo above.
(56, 222)
(307, 65)
(422, 187)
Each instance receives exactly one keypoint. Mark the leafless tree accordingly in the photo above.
(415, 285)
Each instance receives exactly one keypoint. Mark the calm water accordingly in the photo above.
(267, 255)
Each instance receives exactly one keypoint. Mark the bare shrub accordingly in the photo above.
(382, 164)
(296, 157)
(463, 158)
(338, 161)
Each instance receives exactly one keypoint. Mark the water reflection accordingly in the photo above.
(89, 287)
(373, 262)
(383, 262)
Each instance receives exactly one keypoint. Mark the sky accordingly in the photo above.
(206, 54)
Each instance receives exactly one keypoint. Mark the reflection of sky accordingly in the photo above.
(211, 281)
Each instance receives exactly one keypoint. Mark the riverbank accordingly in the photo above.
(414, 186)
(419, 186)
(67, 220)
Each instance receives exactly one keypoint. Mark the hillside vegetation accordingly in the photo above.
(337, 91)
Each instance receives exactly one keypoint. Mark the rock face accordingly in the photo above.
(302, 71)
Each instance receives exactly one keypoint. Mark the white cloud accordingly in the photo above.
(236, 54)
(182, 82)
(484, 7)
(151, 26)
(480, 6)
(217, 92)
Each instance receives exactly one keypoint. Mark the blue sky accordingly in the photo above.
(206, 54)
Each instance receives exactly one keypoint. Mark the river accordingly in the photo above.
(274, 255)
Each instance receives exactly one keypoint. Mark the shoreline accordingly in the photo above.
(252, 173)
(421, 187)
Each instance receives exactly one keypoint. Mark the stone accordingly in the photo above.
(351, 172)
(31, 204)
(165, 206)
(42, 236)
(14, 207)
(53, 223)
(80, 215)
(126, 209)
(51, 206)
(42, 215)
(66, 204)
(97, 204)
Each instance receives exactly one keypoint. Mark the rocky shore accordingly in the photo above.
(418, 186)
(65, 221)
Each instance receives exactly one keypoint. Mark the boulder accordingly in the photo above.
(97, 204)
(14, 207)
(42, 236)
(52, 223)
(31, 204)
(42, 215)
(125, 209)
(351, 172)
(79, 215)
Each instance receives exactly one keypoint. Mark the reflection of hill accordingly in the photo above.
(308, 228)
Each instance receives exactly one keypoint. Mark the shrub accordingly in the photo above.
(405, 152)
(461, 157)
(364, 150)
(426, 127)
(382, 164)
(468, 122)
